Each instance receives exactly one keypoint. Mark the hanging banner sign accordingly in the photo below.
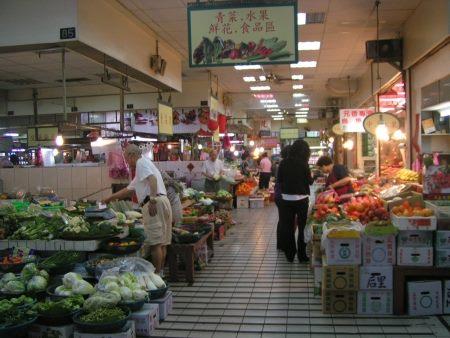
(45, 136)
(351, 120)
(371, 122)
(232, 33)
(165, 119)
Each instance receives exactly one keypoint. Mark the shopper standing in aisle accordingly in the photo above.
(213, 171)
(277, 191)
(152, 197)
(294, 178)
(265, 166)
(338, 178)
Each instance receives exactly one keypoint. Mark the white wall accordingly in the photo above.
(426, 28)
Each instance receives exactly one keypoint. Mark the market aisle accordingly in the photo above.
(249, 290)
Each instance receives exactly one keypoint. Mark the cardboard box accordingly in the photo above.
(443, 258)
(446, 297)
(442, 239)
(340, 277)
(44, 331)
(242, 202)
(318, 271)
(376, 277)
(414, 223)
(424, 298)
(375, 302)
(412, 256)
(256, 202)
(316, 257)
(128, 332)
(146, 320)
(343, 251)
(415, 238)
(379, 250)
(165, 305)
(339, 302)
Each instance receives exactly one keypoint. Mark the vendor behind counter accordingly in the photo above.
(338, 176)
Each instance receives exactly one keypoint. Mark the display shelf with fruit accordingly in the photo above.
(326, 212)
(407, 175)
(411, 214)
(366, 209)
(327, 197)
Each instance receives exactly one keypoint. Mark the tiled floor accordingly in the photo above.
(250, 290)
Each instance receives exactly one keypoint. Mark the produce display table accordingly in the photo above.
(187, 203)
(401, 276)
(187, 252)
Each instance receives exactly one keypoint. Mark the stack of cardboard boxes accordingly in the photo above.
(340, 276)
(376, 275)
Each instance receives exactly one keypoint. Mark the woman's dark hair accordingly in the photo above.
(285, 151)
(323, 161)
(265, 154)
(300, 151)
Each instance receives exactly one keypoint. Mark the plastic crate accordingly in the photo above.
(256, 203)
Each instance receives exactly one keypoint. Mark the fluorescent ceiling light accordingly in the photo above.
(297, 86)
(260, 88)
(249, 78)
(299, 105)
(229, 134)
(245, 67)
(11, 134)
(304, 109)
(273, 109)
(270, 106)
(278, 118)
(301, 19)
(144, 139)
(268, 101)
(263, 96)
(297, 77)
(440, 106)
(280, 113)
(305, 100)
(304, 64)
(302, 120)
(275, 116)
(309, 45)
(298, 95)
(262, 78)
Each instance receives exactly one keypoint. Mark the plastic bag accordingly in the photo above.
(122, 265)
(117, 166)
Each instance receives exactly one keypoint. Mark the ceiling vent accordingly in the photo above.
(317, 17)
(342, 86)
(22, 82)
(75, 79)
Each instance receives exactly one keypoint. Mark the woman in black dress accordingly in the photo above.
(294, 178)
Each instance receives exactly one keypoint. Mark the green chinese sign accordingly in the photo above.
(230, 34)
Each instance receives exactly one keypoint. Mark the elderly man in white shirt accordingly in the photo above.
(212, 170)
(152, 197)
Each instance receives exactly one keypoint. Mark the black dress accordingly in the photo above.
(294, 178)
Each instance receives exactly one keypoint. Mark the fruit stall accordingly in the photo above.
(381, 238)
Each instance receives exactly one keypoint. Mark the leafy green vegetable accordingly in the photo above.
(40, 227)
(14, 287)
(28, 271)
(37, 284)
(63, 306)
(104, 315)
(60, 259)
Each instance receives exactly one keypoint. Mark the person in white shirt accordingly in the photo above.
(152, 197)
(212, 170)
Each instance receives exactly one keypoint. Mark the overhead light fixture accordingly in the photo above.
(262, 78)
(232, 148)
(236, 153)
(304, 109)
(199, 147)
(304, 64)
(298, 95)
(297, 77)
(144, 139)
(305, 100)
(309, 45)
(268, 101)
(59, 140)
(302, 120)
(297, 86)
(263, 96)
(223, 134)
(251, 143)
(249, 78)
(382, 132)
(280, 113)
(260, 88)
(270, 106)
(398, 135)
(11, 134)
(273, 109)
(349, 144)
(299, 105)
(245, 67)
(301, 19)
(55, 152)
(278, 118)
(169, 146)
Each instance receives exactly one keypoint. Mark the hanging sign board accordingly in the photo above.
(165, 119)
(351, 120)
(288, 133)
(224, 34)
(45, 136)
(214, 109)
(371, 122)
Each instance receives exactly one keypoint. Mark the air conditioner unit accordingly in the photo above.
(388, 50)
